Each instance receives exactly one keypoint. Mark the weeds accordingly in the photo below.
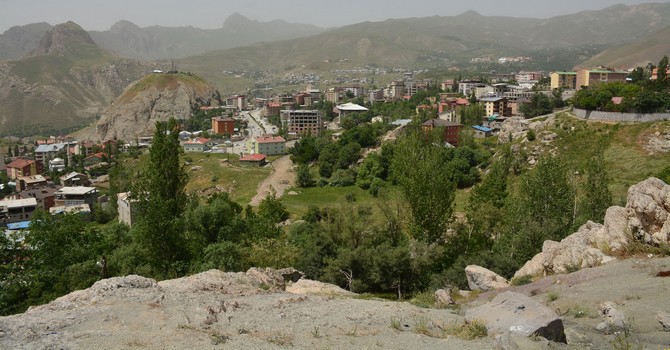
(396, 322)
(315, 332)
(468, 331)
(552, 296)
(521, 280)
(626, 339)
(352, 333)
(421, 325)
(424, 299)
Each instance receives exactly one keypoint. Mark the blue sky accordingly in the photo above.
(101, 14)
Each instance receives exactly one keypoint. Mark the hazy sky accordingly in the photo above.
(101, 14)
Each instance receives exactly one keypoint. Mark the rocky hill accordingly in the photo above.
(155, 97)
(618, 303)
(65, 82)
(639, 53)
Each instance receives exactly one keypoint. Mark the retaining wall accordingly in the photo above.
(619, 117)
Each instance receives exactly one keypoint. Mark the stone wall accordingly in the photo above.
(619, 117)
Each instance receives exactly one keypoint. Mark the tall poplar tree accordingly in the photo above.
(162, 200)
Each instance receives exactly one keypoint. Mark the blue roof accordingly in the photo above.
(482, 128)
(19, 225)
(401, 122)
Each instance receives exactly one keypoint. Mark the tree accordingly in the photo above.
(304, 178)
(540, 104)
(162, 200)
(419, 169)
(597, 196)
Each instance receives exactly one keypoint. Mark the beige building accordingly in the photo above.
(590, 77)
(496, 105)
(565, 80)
(126, 208)
(269, 145)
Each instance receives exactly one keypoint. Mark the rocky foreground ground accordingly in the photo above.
(259, 310)
(581, 297)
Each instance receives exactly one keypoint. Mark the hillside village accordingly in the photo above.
(432, 199)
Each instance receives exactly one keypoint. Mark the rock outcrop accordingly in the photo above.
(60, 37)
(513, 128)
(646, 219)
(156, 97)
(519, 315)
(483, 279)
(613, 320)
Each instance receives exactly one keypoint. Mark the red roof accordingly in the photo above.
(20, 163)
(274, 104)
(270, 139)
(253, 158)
(96, 155)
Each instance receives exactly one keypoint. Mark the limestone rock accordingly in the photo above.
(443, 298)
(310, 287)
(520, 315)
(512, 128)
(483, 279)
(613, 236)
(648, 204)
(664, 319)
(613, 320)
(572, 253)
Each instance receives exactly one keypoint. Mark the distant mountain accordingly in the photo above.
(649, 49)
(18, 41)
(156, 42)
(439, 40)
(64, 83)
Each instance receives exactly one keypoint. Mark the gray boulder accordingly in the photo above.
(648, 204)
(443, 298)
(664, 319)
(519, 315)
(483, 279)
(613, 320)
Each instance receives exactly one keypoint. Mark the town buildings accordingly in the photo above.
(269, 145)
(449, 131)
(303, 122)
(23, 167)
(590, 77)
(223, 126)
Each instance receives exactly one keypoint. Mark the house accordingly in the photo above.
(223, 126)
(348, 108)
(23, 167)
(269, 145)
(79, 197)
(126, 208)
(95, 159)
(272, 109)
(196, 145)
(302, 122)
(482, 131)
(333, 95)
(450, 130)
(590, 77)
(15, 210)
(45, 196)
(253, 160)
(30, 182)
(74, 179)
(654, 73)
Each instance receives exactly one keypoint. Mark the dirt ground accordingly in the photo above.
(281, 179)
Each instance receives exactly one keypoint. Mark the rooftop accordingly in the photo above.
(270, 139)
(351, 107)
(32, 179)
(18, 203)
(76, 191)
(20, 163)
(482, 128)
(253, 158)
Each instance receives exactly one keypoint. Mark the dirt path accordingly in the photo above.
(281, 179)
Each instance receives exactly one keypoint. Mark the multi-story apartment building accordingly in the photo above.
(23, 167)
(269, 145)
(15, 210)
(528, 76)
(590, 77)
(302, 122)
(496, 105)
(450, 130)
(222, 126)
(565, 80)
(238, 102)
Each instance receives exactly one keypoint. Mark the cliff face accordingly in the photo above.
(156, 97)
(61, 37)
